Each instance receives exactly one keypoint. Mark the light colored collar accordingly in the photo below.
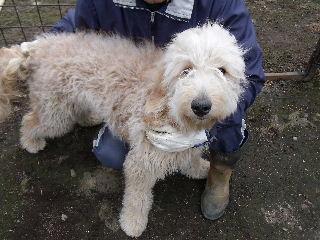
(181, 9)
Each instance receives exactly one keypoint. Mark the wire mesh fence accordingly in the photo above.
(21, 20)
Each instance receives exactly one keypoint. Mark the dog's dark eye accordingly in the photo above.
(222, 70)
(186, 71)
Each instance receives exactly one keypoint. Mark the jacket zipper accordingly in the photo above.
(152, 17)
(152, 25)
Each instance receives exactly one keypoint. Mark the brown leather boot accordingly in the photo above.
(215, 197)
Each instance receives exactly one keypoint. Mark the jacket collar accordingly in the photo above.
(177, 9)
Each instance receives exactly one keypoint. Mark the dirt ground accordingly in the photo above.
(63, 193)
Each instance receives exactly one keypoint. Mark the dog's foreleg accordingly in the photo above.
(138, 198)
(197, 168)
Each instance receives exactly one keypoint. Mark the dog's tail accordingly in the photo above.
(12, 69)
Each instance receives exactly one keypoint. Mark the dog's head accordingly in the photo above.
(204, 76)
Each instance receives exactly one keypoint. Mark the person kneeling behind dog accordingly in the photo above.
(159, 21)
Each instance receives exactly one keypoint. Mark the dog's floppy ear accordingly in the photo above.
(157, 100)
(156, 103)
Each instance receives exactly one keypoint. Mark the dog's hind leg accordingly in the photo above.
(35, 129)
(138, 198)
(30, 138)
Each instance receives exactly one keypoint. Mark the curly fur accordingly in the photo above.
(11, 70)
(88, 78)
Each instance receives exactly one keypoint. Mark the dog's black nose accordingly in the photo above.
(201, 106)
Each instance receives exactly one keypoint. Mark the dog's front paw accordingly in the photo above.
(33, 145)
(204, 167)
(198, 169)
(133, 223)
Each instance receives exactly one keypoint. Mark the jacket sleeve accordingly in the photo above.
(66, 24)
(233, 14)
(86, 15)
(82, 17)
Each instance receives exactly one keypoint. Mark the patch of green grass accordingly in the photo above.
(29, 17)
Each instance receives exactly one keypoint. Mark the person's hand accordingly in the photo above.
(169, 139)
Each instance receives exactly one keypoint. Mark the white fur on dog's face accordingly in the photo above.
(203, 63)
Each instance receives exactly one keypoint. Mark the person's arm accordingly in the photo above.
(234, 15)
(66, 24)
(86, 15)
(82, 17)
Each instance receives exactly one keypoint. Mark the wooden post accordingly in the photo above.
(314, 63)
(285, 76)
(308, 74)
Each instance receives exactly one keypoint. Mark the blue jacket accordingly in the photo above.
(132, 18)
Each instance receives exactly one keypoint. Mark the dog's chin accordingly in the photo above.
(204, 118)
(205, 123)
(196, 123)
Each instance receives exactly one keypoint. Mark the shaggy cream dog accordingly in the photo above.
(87, 78)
